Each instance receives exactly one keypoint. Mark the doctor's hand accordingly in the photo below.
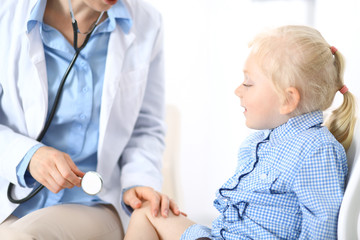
(158, 201)
(54, 169)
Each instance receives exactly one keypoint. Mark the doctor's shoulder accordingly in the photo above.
(143, 13)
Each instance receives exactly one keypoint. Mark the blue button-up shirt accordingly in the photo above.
(289, 185)
(75, 127)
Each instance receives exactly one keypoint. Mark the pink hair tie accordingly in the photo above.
(344, 89)
(333, 50)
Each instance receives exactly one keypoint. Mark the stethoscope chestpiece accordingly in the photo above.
(91, 183)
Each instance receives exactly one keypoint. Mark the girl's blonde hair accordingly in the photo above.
(298, 56)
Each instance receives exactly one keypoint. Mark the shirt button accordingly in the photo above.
(263, 176)
(84, 90)
(82, 116)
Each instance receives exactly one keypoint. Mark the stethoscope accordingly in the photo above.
(91, 182)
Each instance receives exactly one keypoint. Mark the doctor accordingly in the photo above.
(109, 118)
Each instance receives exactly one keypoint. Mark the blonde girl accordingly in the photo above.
(291, 173)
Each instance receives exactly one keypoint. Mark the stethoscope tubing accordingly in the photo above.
(42, 134)
(57, 100)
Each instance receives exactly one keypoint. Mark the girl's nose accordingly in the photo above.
(238, 91)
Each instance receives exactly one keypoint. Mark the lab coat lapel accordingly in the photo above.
(119, 43)
(34, 91)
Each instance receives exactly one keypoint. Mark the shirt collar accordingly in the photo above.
(120, 13)
(296, 125)
(117, 13)
(36, 14)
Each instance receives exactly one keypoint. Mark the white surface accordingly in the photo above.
(358, 227)
(348, 223)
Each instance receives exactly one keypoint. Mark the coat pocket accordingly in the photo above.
(134, 78)
(132, 86)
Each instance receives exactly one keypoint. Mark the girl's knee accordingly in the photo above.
(143, 211)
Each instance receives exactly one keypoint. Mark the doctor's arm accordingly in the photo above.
(21, 155)
(54, 169)
(15, 146)
(43, 159)
(141, 161)
(17, 149)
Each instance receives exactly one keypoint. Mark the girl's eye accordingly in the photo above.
(246, 85)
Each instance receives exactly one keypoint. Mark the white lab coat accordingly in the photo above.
(131, 120)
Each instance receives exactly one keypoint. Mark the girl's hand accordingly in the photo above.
(158, 201)
(54, 169)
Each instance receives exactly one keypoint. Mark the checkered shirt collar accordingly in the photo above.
(296, 125)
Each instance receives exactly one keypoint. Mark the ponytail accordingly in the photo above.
(341, 122)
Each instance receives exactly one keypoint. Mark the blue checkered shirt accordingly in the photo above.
(288, 185)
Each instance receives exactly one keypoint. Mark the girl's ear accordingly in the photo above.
(291, 102)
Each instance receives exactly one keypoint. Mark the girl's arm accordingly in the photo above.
(320, 187)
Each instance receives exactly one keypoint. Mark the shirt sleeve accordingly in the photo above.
(319, 187)
(196, 231)
(23, 175)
